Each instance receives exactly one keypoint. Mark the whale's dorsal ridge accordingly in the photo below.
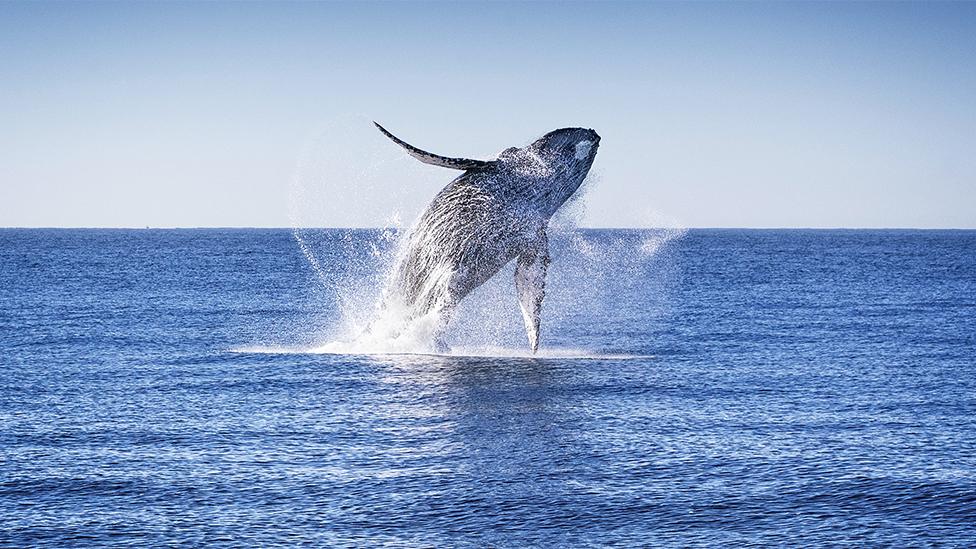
(434, 159)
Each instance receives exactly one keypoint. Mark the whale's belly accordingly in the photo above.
(463, 239)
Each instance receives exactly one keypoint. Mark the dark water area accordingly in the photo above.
(722, 388)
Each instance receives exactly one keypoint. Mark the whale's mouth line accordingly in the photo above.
(552, 353)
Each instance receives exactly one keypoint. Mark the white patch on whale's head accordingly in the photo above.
(552, 167)
(568, 146)
(583, 149)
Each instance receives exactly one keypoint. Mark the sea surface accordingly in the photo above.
(720, 388)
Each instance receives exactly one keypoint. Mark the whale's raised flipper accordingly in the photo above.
(530, 282)
(434, 159)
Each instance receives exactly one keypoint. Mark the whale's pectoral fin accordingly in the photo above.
(530, 282)
(434, 159)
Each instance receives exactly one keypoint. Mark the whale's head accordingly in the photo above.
(555, 164)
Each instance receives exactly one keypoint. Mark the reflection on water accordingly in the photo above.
(493, 419)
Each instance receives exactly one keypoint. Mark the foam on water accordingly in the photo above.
(344, 349)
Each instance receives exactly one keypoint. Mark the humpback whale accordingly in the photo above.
(496, 211)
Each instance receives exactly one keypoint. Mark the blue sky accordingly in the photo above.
(712, 115)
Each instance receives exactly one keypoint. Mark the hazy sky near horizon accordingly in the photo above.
(712, 115)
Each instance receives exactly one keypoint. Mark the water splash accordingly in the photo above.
(356, 267)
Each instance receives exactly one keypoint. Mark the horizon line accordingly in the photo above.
(255, 227)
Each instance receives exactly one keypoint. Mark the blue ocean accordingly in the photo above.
(701, 388)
